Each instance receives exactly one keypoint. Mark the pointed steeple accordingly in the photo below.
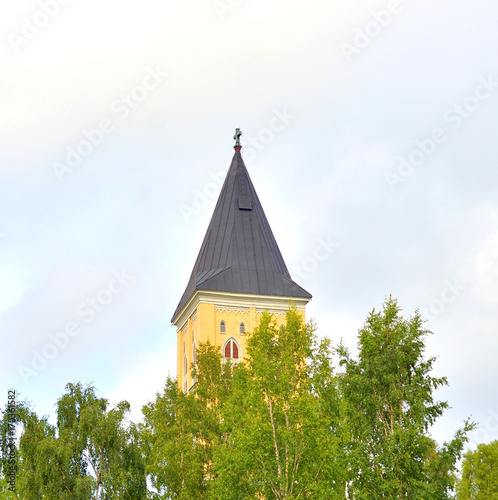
(239, 253)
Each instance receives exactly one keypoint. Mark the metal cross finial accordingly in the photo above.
(237, 135)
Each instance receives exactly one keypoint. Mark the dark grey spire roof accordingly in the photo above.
(239, 252)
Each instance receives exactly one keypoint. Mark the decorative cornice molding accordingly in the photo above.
(228, 311)
(273, 313)
(233, 301)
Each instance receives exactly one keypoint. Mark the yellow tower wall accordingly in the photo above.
(200, 319)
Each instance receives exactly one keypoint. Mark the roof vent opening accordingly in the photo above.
(245, 203)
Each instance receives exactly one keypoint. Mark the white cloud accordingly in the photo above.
(144, 380)
(321, 177)
(13, 285)
(486, 269)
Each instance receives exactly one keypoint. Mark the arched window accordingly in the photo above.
(223, 327)
(242, 329)
(231, 350)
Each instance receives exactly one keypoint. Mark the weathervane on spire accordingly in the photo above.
(237, 135)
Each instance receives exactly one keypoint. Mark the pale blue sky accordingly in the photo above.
(369, 131)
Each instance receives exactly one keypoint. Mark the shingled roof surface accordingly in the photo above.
(239, 252)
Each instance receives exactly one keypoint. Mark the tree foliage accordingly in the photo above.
(284, 424)
(389, 406)
(89, 453)
(479, 479)
(277, 441)
(181, 430)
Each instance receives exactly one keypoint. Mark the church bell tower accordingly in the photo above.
(238, 274)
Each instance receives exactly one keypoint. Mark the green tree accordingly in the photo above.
(180, 431)
(389, 406)
(278, 441)
(479, 479)
(10, 423)
(280, 425)
(89, 454)
(174, 457)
